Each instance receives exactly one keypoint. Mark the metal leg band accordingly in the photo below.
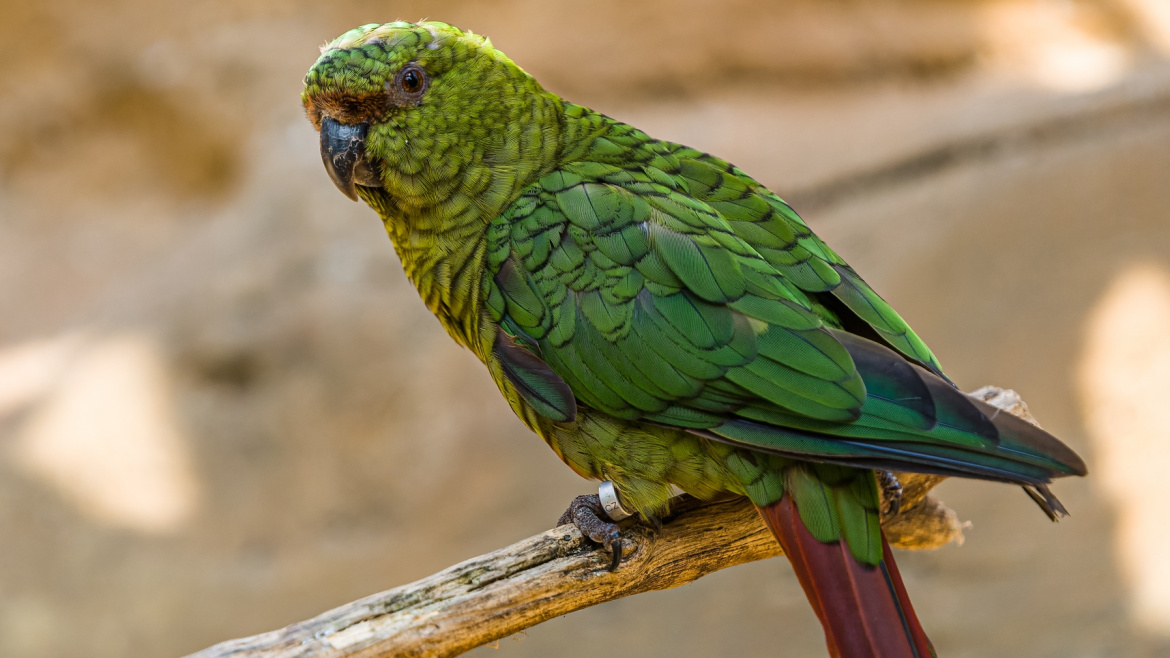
(610, 503)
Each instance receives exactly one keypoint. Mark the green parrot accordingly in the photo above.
(657, 316)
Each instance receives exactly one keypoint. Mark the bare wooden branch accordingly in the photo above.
(556, 572)
(1119, 110)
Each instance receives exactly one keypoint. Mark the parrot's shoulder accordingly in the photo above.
(623, 212)
(598, 264)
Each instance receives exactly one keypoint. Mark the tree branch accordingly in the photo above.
(1119, 109)
(556, 572)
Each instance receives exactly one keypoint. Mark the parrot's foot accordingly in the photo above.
(891, 493)
(587, 513)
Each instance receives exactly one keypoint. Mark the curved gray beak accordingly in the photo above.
(343, 149)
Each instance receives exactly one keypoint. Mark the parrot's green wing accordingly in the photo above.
(678, 291)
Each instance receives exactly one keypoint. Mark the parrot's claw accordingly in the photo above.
(891, 493)
(588, 515)
(615, 547)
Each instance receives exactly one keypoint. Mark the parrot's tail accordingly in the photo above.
(864, 609)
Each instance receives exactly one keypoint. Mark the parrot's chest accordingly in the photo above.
(447, 272)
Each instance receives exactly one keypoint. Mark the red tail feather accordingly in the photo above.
(864, 609)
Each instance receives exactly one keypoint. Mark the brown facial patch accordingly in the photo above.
(346, 108)
(400, 91)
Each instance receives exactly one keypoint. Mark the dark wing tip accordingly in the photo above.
(536, 382)
(1048, 502)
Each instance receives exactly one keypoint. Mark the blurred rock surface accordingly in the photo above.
(191, 315)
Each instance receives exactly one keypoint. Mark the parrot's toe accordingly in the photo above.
(891, 493)
(588, 515)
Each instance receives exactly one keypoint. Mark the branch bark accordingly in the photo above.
(556, 572)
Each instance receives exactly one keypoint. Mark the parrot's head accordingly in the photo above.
(417, 110)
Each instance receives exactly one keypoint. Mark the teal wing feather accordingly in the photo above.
(802, 257)
(671, 288)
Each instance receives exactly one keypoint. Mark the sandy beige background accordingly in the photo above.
(223, 408)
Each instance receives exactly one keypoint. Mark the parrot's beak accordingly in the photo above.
(343, 150)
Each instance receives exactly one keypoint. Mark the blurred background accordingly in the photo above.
(223, 409)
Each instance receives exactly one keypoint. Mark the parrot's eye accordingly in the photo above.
(409, 85)
(411, 82)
